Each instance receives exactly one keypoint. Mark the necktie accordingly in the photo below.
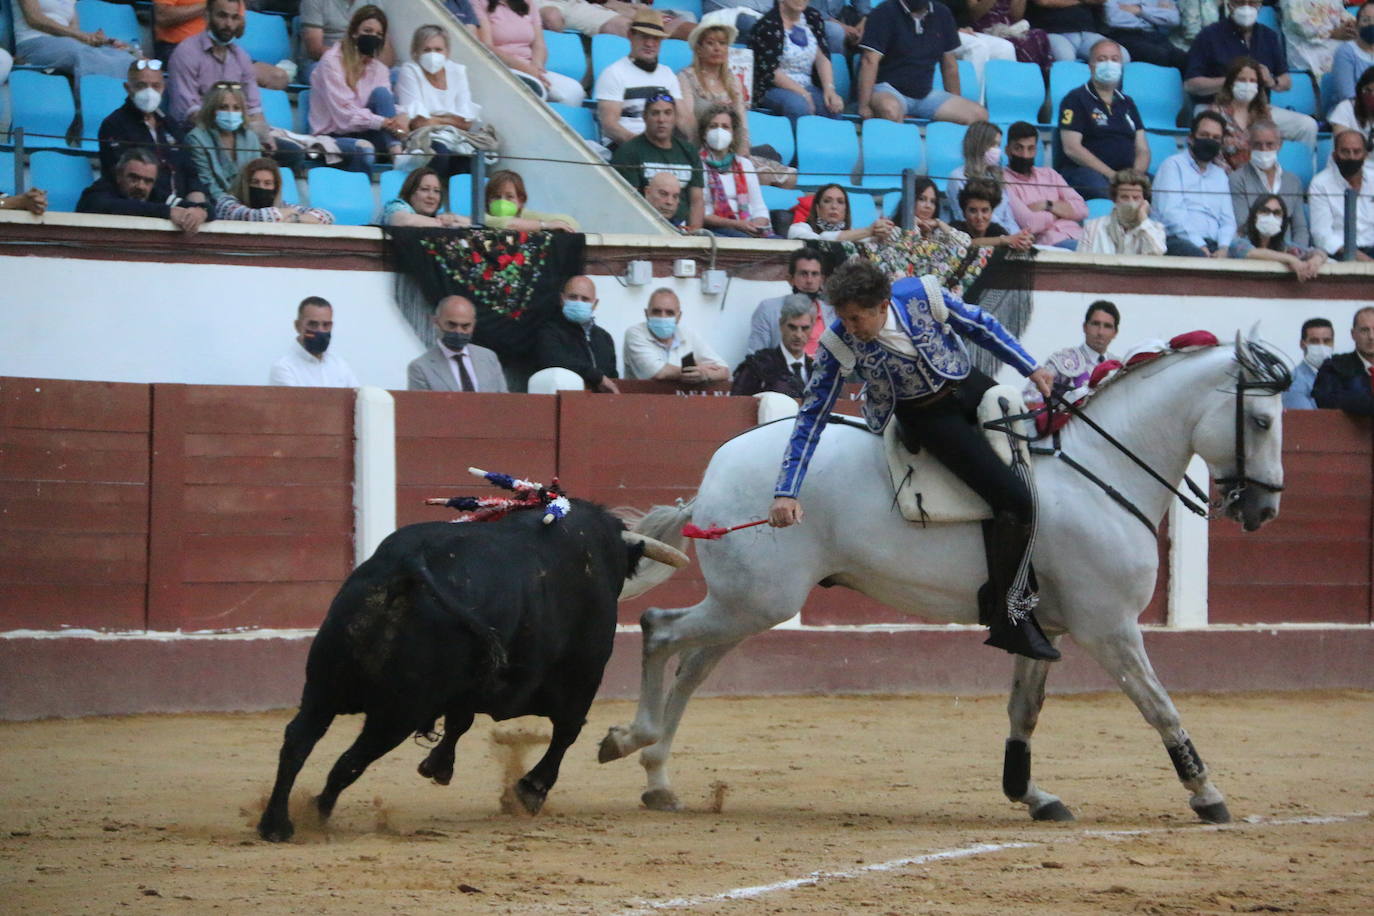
(797, 371)
(463, 373)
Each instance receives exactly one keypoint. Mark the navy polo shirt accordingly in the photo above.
(1221, 42)
(1109, 134)
(909, 59)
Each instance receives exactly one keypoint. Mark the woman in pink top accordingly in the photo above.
(1041, 200)
(517, 37)
(350, 93)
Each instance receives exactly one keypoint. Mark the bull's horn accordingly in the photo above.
(657, 550)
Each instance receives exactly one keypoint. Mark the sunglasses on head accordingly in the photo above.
(148, 64)
(226, 84)
(661, 97)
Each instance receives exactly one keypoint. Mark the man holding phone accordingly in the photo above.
(660, 348)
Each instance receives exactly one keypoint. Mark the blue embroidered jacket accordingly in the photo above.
(890, 376)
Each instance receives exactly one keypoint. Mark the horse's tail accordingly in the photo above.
(662, 523)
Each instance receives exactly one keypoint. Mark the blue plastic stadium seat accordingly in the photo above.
(348, 195)
(7, 183)
(1328, 94)
(1302, 97)
(565, 54)
(100, 95)
(606, 50)
(827, 150)
(118, 21)
(63, 175)
(1297, 158)
(1157, 93)
(302, 119)
(780, 198)
(944, 149)
(862, 210)
(968, 81)
(1162, 146)
(265, 38)
(843, 82)
(290, 193)
(774, 131)
(276, 108)
(675, 54)
(1269, 16)
(1099, 206)
(1324, 143)
(1016, 90)
(582, 120)
(460, 194)
(1065, 76)
(42, 105)
(686, 6)
(389, 185)
(887, 149)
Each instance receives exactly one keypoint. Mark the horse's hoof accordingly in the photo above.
(610, 748)
(1215, 813)
(530, 798)
(432, 771)
(1052, 811)
(660, 800)
(275, 832)
(324, 806)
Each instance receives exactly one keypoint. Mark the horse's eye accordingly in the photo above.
(1263, 422)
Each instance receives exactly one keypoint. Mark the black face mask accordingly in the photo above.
(1020, 164)
(1205, 149)
(1349, 167)
(316, 343)
(646, 66)
(455, 340)
(369, 45)
(261, 198)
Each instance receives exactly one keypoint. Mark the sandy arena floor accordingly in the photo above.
(154, 814)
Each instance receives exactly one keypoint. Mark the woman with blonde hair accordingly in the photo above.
(350, 93)
(506, 200)
(255, 195)
(1241, 101)
(983, 161)
(220, 144)
(432, 93)
(707, 81)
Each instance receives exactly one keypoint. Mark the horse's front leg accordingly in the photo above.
(1123, 656)
(1023, 709)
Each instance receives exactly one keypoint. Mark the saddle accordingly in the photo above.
(926, 490)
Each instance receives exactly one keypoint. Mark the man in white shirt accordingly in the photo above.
(309, 364)
(1262, 176)
(624, 88)
(1349, 168)
(1193, 195)
(657, 348)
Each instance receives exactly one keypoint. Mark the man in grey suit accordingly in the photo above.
(455, 363)
(1263, 175)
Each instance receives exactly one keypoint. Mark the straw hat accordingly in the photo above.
(731, 33)
(648, 21)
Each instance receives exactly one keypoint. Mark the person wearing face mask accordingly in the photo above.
(659, 149)
(733, 205)
(1264, 237)
(575, 342)
(350, 94)
(211, 57)
(1353, 57)
(1357, 114)
(506, 198)
(1263, 175)
(455, 363)
(1240, 102)
(1127, 229)
(1351, 169)
(138, 122)
(1142, 28)
(983, 161)
(311, 364)
(624, 88)
(221, 144)
(1314, 29)
(806, 276)
(255, 196)
(1040, 198)
(432, 92)
(1100, 131)
(324, 23)
(1346, 380)
(1316, 339)
(655, 348)
(1193, 196)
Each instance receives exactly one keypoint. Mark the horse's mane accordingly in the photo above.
(1267, 370)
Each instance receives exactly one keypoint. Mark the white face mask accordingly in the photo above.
(1268, 224)
(718, 139)
(993, 156)
(1244, 92)
(1264, 158)
(147, 99)
(433, 61)
(1316, 354)
(1245, 16)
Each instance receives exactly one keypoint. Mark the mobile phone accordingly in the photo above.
(689, 361)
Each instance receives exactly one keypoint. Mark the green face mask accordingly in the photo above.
(502, 207)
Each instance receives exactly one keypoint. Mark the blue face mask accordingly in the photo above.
(1107, 72)
(577, 312)
(662, 328)
(229, 120)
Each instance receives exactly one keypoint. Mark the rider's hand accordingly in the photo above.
(784, 511)
(1043, 379)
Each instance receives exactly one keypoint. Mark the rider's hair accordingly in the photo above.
(1102, 305)
(857, 282)
(1311, 323)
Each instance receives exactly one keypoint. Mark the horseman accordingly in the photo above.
(903, 340)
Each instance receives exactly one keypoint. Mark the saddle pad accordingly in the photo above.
(927, 491)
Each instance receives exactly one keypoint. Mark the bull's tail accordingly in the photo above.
(493, 657)
(662, 523)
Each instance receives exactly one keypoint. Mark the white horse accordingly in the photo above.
(1095, 561)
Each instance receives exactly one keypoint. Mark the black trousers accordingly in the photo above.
(948, 429)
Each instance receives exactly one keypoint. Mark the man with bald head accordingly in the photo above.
(573, 341)
(664, 193)
(455, 363)
(660, 348)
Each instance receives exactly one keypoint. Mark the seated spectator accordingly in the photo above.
(1357, 114)
(574, 341)
(1241, 102)
(660, 348)
(211, 57)
(708, 81)
(34, 200)
(1314, 29)
(828, 220)
(1192, 194)
(1264, 237)
(432, 92)
(1100, 129)
(324, 23)
(470, 14)
(1194, 16)
(807, 278)
(309, 364)
(455, 363)
(792, 70)
(977, 201)
(624, 88)
(1128, 229)
(1353, 58)
(664, 193)
(658, 149)
(47, 34)
(786, 367)
(174, 21)
(574, 14)
(1316, 340)
(517, 39)
(927, 223)
(1143, 30)
(1346, 380)
(1073, 366)
(1349, 168)
(900, 49)
(1007, 19)
(974, 46)
(844, 21)
(421, 197)
(221, 144)
(135, 176)
(732, 204)
(1072, 26)
(505, 204)
(139, 123)
(350, 93)
(983, 161)
(1040, 199)
(255, 196)
(1263, 175)
(1241, 36)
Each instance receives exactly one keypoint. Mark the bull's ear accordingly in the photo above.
(657, 550)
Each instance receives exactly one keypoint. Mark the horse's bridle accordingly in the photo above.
(1233, 487)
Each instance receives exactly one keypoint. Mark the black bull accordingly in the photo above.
(507, 618)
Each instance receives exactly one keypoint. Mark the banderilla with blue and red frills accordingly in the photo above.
(528, 495)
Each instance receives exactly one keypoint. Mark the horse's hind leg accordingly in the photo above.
(381, 733)
(1023, 709)
(1123, 656)
(302, 733)
(438, 766)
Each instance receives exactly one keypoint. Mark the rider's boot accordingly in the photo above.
(1006, 540)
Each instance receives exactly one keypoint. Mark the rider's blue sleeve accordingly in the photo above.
(821, 394)
(987, 332)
